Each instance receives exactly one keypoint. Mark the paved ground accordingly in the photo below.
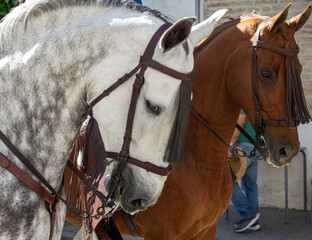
(273, 226)
(70, 231)
(272, 223)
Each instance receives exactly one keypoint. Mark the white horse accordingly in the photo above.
(56, 57)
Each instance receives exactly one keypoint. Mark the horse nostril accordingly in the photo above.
(139, 204)
(284, 152)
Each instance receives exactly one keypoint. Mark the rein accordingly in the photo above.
(122, 157)
(235, 152)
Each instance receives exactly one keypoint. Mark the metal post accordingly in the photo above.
(286, 194)
(198, 9)
(304, 178)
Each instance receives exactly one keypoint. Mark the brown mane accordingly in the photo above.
(215, 33)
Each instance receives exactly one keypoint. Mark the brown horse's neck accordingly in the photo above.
(217, 74)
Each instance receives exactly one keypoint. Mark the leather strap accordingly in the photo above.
(128, 222)
(51, 200)
(246, 134)
(149, 167)
(119, 82)
(168, 71)
(234, 151)
(88, 184)
(281, 51)
(20, 156)
(26, 179)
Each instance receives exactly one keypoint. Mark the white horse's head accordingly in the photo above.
(161, 113)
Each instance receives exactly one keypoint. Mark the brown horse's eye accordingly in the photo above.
(267, 74)
(152, 108)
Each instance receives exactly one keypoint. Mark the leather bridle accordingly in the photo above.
(296, 108)
(52, 197)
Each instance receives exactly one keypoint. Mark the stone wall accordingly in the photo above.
(271, 180)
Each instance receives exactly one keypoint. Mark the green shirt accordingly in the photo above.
(249, 129)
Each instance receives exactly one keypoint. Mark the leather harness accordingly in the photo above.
(54, 196)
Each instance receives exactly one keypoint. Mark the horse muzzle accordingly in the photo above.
(131, 196)
(280, 155)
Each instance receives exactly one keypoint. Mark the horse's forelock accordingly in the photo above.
(175, 147)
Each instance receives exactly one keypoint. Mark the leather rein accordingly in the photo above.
(295, 100)
(50, 194)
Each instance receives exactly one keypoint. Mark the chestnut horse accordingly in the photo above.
(199, 190)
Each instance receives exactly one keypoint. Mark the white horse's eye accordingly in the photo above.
(152, 107)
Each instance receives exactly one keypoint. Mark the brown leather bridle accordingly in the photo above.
(53, 197)
(296, 107)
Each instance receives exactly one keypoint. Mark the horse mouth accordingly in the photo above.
(114, 192)
(264, 150)
(119, 197)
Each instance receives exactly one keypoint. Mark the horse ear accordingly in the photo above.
(205, 28)
(176, 34)
(279, 18)
(298, 21)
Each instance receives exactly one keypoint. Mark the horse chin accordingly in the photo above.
(133, 205)
(129, 209)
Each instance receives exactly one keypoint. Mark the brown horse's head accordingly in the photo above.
(280, 103)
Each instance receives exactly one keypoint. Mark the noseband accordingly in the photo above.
(296, 108)
(123, 157)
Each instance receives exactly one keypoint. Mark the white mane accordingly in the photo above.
(18, 22)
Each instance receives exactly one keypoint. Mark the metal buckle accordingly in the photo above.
(123, 157)
(141, 78)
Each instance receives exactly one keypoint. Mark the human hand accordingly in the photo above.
(229, 156)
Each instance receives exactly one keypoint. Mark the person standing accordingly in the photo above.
(245, 195)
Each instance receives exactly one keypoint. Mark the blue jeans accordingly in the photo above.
(245, 198)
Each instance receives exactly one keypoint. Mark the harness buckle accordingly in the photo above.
(123, 157)
(141, 78)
